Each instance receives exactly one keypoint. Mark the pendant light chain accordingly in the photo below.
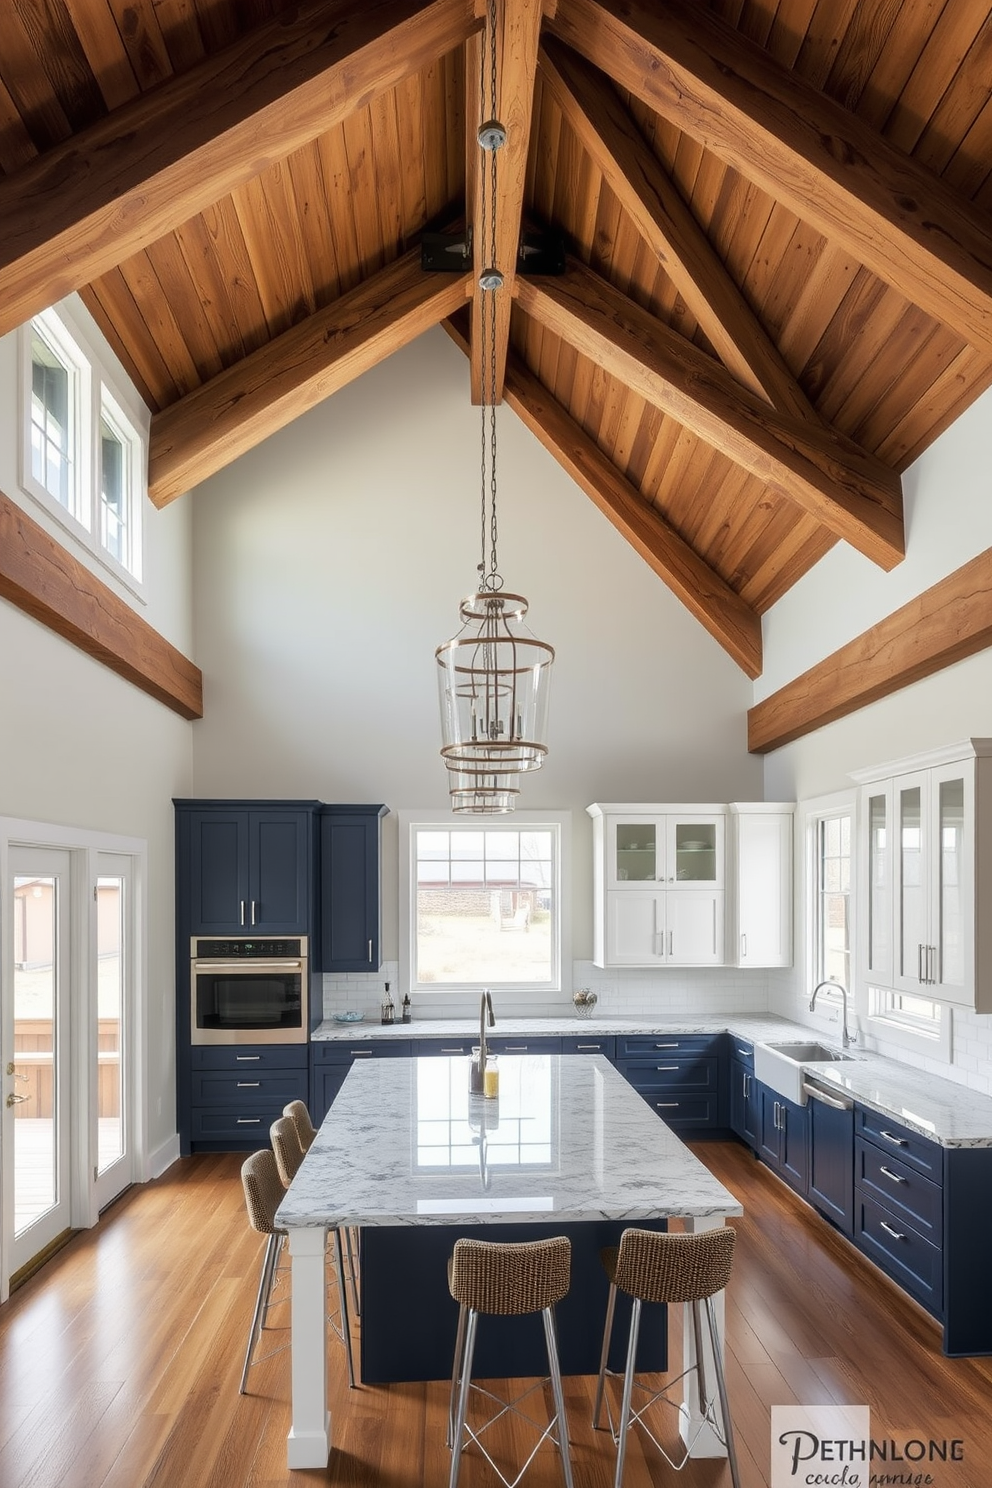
(490, 282)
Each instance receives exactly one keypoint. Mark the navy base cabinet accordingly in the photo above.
(679, 1075)
(237, 1091)
(831, 1162)
(350, 917)
(744, 1112)
(784, 1137)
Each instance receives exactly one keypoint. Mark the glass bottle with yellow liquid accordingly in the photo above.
(490, 1079)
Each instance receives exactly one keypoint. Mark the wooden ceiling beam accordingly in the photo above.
(731, 622)
(808, 152)
(41, 578)
(123, 183)
(850, 491)
(233, 412)
(518, 29)
(944, 624)
(611, 138)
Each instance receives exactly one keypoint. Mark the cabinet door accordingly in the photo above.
(831, 1163)
(769, 1109)
(218, 872)
(950, 962)
(349, 892)
(695, 928)
(744, 1112)
(279, 863)
(763, 861)
(877, 825)
(793, 1145)
(635, 851)
(695, 852)
(635, 929)
(912, 881)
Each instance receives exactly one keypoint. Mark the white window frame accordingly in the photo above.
(559, 823)
(812, 814)
(99, 392)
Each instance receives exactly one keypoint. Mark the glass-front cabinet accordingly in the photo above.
(927, 849)
(681, 850)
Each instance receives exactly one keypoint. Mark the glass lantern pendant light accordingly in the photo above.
(494, 676)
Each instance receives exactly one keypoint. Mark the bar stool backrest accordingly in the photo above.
(287, 1149)
(511, 1278)
(674, 1267)
(264, 1191)
(300, 1117)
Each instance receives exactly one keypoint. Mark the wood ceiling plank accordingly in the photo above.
(949, 395)
(111, 304)
(163, 330)
(139, 26)
(125, 181)
(518, 28)
(41, 578)
(713, 603)
(210, 427)
(336, 173)
(415, 137)
(666, 224)
(172, 273)
(947, 42)
(946, 623)
(104, 50)
(802, 148)
(16, 146)
(852, 493)
(313, 205)
(361, 199)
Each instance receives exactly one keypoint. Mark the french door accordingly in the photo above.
(66, 993)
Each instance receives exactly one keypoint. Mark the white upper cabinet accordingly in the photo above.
(760, 890)
(682, 848)
(925, 827)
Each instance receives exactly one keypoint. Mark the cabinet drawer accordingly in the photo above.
(443, 1046)
(248, 1127)
(631, 1045)
(678, 1110)
(741, 1049)
(910, 1147)
(247, 1087)
(248, 1057)
(524, 1045)
(895, 1246)
(660, 1073)
(334, 1051)
(900, 1188)
(590, 1044)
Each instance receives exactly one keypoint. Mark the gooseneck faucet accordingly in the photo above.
(845, 1037)
(486, 1007)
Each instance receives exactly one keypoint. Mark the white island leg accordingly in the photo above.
(706, 1443)
(309, 1441)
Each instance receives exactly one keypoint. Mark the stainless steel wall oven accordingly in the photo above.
(248, 990)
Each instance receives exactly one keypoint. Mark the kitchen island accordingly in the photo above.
(567, 1148)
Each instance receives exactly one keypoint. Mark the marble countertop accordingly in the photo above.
(946, 1112)
(567, 1139)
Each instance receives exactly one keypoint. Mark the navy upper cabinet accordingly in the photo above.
(350, 839)
(250, 868)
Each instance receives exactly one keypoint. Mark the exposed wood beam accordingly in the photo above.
(41, 578)
(848, 490)
(125, 182)
(648, 195)
(243, 405)
(943, 625)
(728, 619)
(518, 28)
(804, 149)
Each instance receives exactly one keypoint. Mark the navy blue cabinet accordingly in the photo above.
(235, 1093)
(248, 867)
(783, 1137)
(831, 1161)
(743, 1105)
(679, 1075)
(350, 917)
(331, 1059)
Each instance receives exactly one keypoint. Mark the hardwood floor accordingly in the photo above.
(120, 1361)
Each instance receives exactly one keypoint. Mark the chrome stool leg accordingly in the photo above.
(551, 1339)
(261, 1303)
(604, 1356)
(468, 1349)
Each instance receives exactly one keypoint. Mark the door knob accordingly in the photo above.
(15, 1100)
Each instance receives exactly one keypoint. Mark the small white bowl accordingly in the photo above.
(352, 1015)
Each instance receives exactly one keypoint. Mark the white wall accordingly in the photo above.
(80, 747)
(949, 519)
(329, 565)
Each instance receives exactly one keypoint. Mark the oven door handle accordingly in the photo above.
(249, 966)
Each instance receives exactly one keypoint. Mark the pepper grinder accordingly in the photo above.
(388, 1011)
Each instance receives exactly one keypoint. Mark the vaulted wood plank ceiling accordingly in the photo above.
(778, 216)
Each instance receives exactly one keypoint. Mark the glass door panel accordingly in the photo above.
(696, 852)
(110, 1020)
(950, 930)
(638, 856)
(912, 902)
(879, 934)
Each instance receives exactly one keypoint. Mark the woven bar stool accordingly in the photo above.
(288, 1156)
(263, 1195)
(506, 1280)
(306, 1131)
(654, 1267)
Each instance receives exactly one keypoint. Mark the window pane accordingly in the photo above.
(832, 900)
(496, 921)
(51, 448)
(113, 495)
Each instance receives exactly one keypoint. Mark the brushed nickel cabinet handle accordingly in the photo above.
(896, 1177)
(891, 1137)
(896, 1235)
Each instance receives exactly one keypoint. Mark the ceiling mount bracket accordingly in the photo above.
(446, 253)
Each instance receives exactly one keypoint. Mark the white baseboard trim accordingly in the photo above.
(163, 1157)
